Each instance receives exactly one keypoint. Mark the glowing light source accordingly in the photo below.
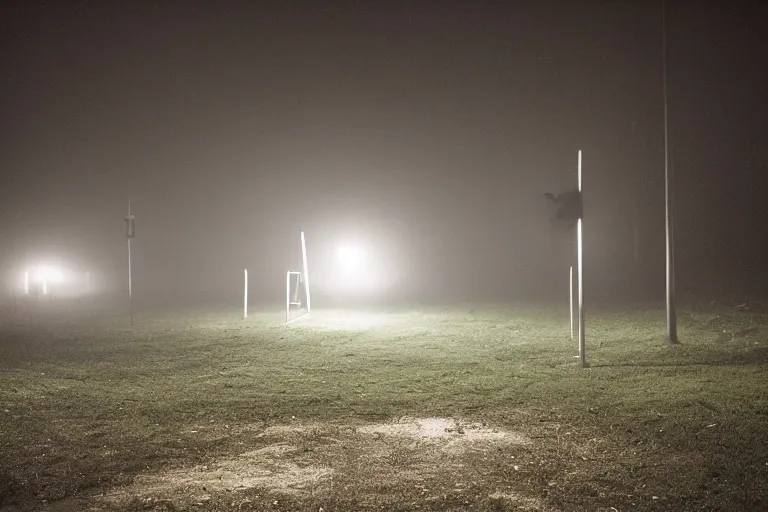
(351, 257)
(49, 275)
(42, 275)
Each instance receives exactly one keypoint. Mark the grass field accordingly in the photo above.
(462, 408)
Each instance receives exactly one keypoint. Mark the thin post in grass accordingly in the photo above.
(130, 284)
(287, 296)
(570, 295)
(130, 233)
(580, 263)
(245, 294)
(306, 271)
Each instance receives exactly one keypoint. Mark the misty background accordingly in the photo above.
(430, 129)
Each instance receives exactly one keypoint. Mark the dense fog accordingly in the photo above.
(425, 136)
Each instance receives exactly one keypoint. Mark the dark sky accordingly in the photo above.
(432, 128)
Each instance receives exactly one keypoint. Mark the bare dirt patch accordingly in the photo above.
(273, 467)
(309, 458)
(453, 436)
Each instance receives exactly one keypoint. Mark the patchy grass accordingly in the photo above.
(480, 407)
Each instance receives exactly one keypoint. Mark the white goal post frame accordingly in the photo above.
(302, 278)
(291, 299)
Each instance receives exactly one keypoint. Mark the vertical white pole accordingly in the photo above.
(287, 296)
(130, 283)
(582, 342)
(245, 295)
(130, 278)
(570, 295)
(45, 287)
(306, 271)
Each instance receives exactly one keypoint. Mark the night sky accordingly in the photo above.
(430, 128)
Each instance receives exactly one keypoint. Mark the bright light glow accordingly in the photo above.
(353, 266)
(52, 277)
(353, 270)
(48, 275)
(352, 258)
(43, 275)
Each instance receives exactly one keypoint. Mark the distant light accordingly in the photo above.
(43, 275)
(355, 267)
(49, 275)
(352, 258)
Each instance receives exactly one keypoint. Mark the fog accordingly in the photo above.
(426, 133)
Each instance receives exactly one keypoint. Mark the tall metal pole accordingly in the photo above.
(245, 294)
(580, 264)
(306, 271)
(130, 290)
(670, 249)
(570, 295)
(129, 235)
(287, 296)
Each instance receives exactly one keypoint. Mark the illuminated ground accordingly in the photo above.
(476, 407)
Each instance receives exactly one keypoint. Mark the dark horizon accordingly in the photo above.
(432, 130)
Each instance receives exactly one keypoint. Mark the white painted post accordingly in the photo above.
(570, 295)
(306, 272)
(245, 295)
(130, 283)
(582, 341)
(287, 296)
(129, 235)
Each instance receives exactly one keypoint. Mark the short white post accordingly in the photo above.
(306, 272)
(570, 295)
(245, 295)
